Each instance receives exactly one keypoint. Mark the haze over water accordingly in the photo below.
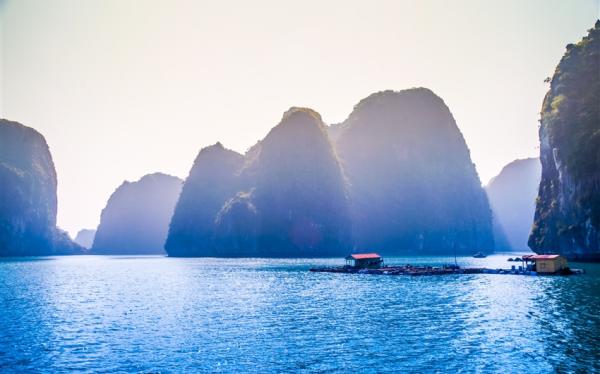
(148, 314)
(133, 89)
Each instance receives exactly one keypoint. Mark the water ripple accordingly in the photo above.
(154, 314)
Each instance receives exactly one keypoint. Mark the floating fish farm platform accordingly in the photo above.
(431, 270)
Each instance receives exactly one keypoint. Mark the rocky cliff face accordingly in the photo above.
(567, 216)
(28, 195)
(137, 215)
(512, 195)
(297, 195)
(414, 188)
(285, 198)
(406, 184)
(213, 179)
(85, 238)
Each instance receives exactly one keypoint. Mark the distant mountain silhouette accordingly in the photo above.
(285, 198)
(405, 185)
(85, 238)
(414, 188)
(137, 215)
(213, 180)
(512, 196)
(28, 195)
(567, 216)
(296, 196)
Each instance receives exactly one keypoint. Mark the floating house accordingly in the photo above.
(547, 264)
(372, 263)
(364, 261)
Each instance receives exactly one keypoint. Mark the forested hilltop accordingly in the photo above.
(567, 217)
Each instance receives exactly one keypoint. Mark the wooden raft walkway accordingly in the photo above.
(429, 270)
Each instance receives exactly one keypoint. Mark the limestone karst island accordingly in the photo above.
(274, 187)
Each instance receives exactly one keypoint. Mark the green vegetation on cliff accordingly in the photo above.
(571, 108)
(567, 215)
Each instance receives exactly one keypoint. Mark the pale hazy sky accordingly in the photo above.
(124, 88)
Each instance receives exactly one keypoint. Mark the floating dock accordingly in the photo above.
(372, 263)
(432, 270)
(400, 270)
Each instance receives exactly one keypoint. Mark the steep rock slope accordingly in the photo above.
(213, 180)
(137, 215)
(567, 216)
(28, 195)
(297, 202)
(512, 195)
(285, 198)
(414, 188)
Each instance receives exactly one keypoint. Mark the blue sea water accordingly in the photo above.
(158, 314)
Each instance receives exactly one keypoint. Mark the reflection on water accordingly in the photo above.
(155, 313)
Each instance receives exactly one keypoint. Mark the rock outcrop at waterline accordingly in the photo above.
(286, 198)
(28, 195)
(512, 195)
(137, 215)
(567, 216)
(413, 186)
